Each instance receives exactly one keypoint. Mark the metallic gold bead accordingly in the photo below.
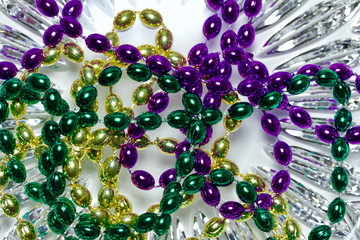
(80, 136)
(167, 145)
(176, 59)
(141, 143)
(214, 227)
(111, 168)
(230, 98)
(106, 197)
(97, 64)
(147, 50)
(220, 148)
(39, 150)
(113, 39)
(72, 168)
(292, 229)
(123, 205)
(26, 73)
(94, 155)
(188, 199)
(256, 181)
(154, 208)
(279, 205)
(124, 20)
(17, 108)
(230, 166)
(230, 124)
(137, 236)
(78, 153)
(24, 134)
(10, 205)
(87, 75)
(246, 215)
(76, 86)
(151, 18)
(51, 55)
(95, 106)
(276, 221)
(20, 152)
(113, 103)
(73, 52)
(117, 139)
(100, 215)
(128, 219)
(192, 238)
(142, 94)
(163, 39)
(80, 195)
(100, 138)
(26, 231)
(4, 176)
(128, 112)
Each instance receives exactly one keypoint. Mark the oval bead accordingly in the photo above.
(249, 88)
(139, 72)
(26, 230)
(214, 227)
(4, 176)
(16, 171)
(202, 163)
(68, 123)
(326, 133)
(292, 229)
(109, 76)
(142, 94)
(339, 149)
(72, 9)
(193, 183)
(279, 205)
(72, 168)
(38, 82)
(113, 103)
(163, 39)
(264, 200)
(71, 27)
(58, 153)
(264, 220)
(353, 135)
(116, 121)
(246, 35)
(86, 97)
(342, 119)
(192, 103)
(196, 132)
(29, 97)
(7, 141)
(117, 231)
(341, 92)
(151, 18)
(212, 27)
(282, 153)
(230, 124)
(142, 180)
(167, 145)
(270, 124)
(176, 59)
(124, 20)
(46, 167)
(7, 70)
(218, 86)
(220, 148)
(309, 69)
(300, 117)
(299, 84)
(145, 222)
(73, 52)
(280, 182)
(240, 110)
(51, 55)
(128, 155)
(54, 224)
(87, 118)
(197, 53)
(149, 121)
(221, 177)
(214, 5)
(336, 210)
(128, 53)
(47, 198)
(231, 210)
(56, 184)
(166, 177)
(170, 203)
(179, 119)
(343, 71)
(184, 164)
(163, 224)
(234, 55)
(10, 205)
(169, 83)
(229, 165)
(87, 230)
(210, 194)
(147, 50)
(158, 102)
(100, 138)
(270, 100)
(10, 89)
(230, 11)
(80, 195)
(339, 179)
(53, 35)
(246, 192)
(209, 64)
(252, 7)
(322, 232)
(326, 78)
(24, 134)
(32, 58)
(47, 7)
(158, 64)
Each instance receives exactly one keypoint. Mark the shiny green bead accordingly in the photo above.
(145, 222)
(11, 88)
(33, 191)
(7, 141)
(246, 192)
(116, 121)
(68, 123)
(192, 103)
(4, 176)
(184, 164)
(16, 171)
(179, 119)
(163, 224)
(46, 197)
(65, 211)
(264, 220)
(29, 97)
(110, 76)
(149, 121)
(221, 177)
(139, 72)
(170, 203)
(117, 232)
(270, 100)
(321, 232)
(38, 82)
(55, 225)
(58, 153)
(71, 238)
(340, 149)
(56, 184)
(196, 133)
(64, 108)
(172, 188)
(86, 96)
(50, 132)
(339, 179)
(211, 116)
(299, 84)
(87, 118)
(193, 183)
(341, 92)
(240, 110)
(4, 110)
(336, 210)
(46, 167)
(87, 230)
(52, 101)
(342, 119)
(326, 78)
(169, 83)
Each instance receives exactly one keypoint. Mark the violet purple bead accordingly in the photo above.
(210, 64)
(279, 80)
(224, 70)
(128, 155)
(134, 131)
(71, 27)
(47, 7)
(32, 58)
(243, 68)
(309, 69)
(252, 7)
(326, 133)
(357, 83)
(158, 64)
(280, 182)
(271, 124)
(72, 9)
(215, 4)
(343, 71)
(300, 117)
(143, 180)
(210, 194)
(7, 70)
(195, 88)
(230, 11)
(234, 55)
(202, 162)
(282, 153)
(197, 53)
(97, 43)
(211, 100)
(232, 210)
(128, 53)
(53, 35)
(249, 88)
(182, 147)
(167, 177)
(208, 135)
(258, 71)
(254, 100)
(284, 104)
(228, 39)
(218, 86)
(353, 135)
(246, 35)
(187, 75)
(158, 102)
(212, 27)
(264, 201)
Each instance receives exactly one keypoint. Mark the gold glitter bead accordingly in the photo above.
(24, 134)
(147, 50)
(220, 148)
(292, 229)
(76, 86)
(100, 138)
(230, 166)
(167, 145)
(73, 52)
(230, 124)
(97, 64)
(87, 75)
(51, 55)
(176, 59)
(10, 205)
(128, 112)
(124, 20)
(113, 39)
(80, 136)
(163, 39)
(142, 94)
(80, 195)
(279, 205)
(94, 155)
(72, 168)
(151, 18)
(117, 139)
(106, 197)
(39, 150)
(188, 199)
(122, 206)
(230, 98)
(100, 216)
(154, 208)
(26, 231)
(256, 181)
(141, 143)
(17, 108)
(214, 227)
(113, 103)
(128, 219)
(111, 168)
(4, 176)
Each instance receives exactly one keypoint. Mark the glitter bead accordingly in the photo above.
(7, 70)
(7, 141)
(280, 181)
(124, 20)
(54, 224)
(209, 64)
(145, 222)
(215, 4)
(68, 123)
(16, 171)
(169, 84)
(240, 110)
(73, 52)
(158, 64)
(97, 43)
(300, 117)
(167, 176)
(252, 7)
(210, 194)
(151, 18)
(282, 153)
(58, 153)
(47, 7)
(292, 229)
(270, 100)
(116, 121)
(72, 9)
(230, 11)
(228, 39)
(38, 82)
(32, 58)
(30, 97)
(231, 210)
(163, 39)
(170, 203)
(87, 118)
(149, 121)
(197, 53)
(264, 220)
(53, 35)
(26, 230)
(71, 27)
(339, 179)
(212, 27)
(246, 35)
(221, 177)
(322, 232)
(117, 231)
(339, 149)
(86, 97)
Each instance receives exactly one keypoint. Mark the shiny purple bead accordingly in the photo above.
(232, 210)
(326, 133)
(210, 194)
(357, 83)
(208, 135)
(167, 177)
(218, 86)
(143, 180)
(158, 64)
(284, 104)
(230, 11)
(97, 43)
(128, 155)
(282, 153)
(211, 100)
(224, 71)
(249, 88)
(246, 35)
(258, 71)
(197, 53)
(215, 4)
(264, 200)
(271, 124)
(134, 131)
(300, 117)
(254, 100)
(279, 80)
(228, 39)
(202, 162)
(210, 64)
(195, 88)
(309, 69)
(343, 71)
(128, 53)
(187, 75)
(47, 7)
(234, 55)
(71, 27)
(158, 102)
(53, 35)
(212, 27)
(32, 58)
(182, 147)
(243, 68)
(7, 70)
(280, 182)
(252, 7)
(353, 135)
(72, 9)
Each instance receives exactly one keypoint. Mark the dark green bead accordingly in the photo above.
(116, 121)
(38, 82)
(163, 224)
(240, 110)
(264, 220)
(46, 167)
(58, 153)
(11, 88)
(139, 72)
(270, 238)
(246, 192)
(193, 183)
(64, 108)
(65, 212)
(299, 84)
(145, 222)
(336, 210)
(170, 203)
(339, 179)
(52, 101)
(196, 133)
(29, 97)
(117, 232)
(179, 119)
(270, 100)
(87, 118)
(341, 92)
(4, 110)
(33, 191)
(192, 103)
(211, 116)
(340, 149)
(50, 132)
(110, 76)
(85, 217)
(55, 225)
(169, 84)
(321, 232)
(56, 184)
(342, 119)
(326, 78)
(68, 123)
(221, 177)
(172, 187)
(184, 164)
(69, 203)
(87, 230)
(7, 141)
(149, 121)
(46, 197)
(16, 171)
(86, 96)
(71, 238)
